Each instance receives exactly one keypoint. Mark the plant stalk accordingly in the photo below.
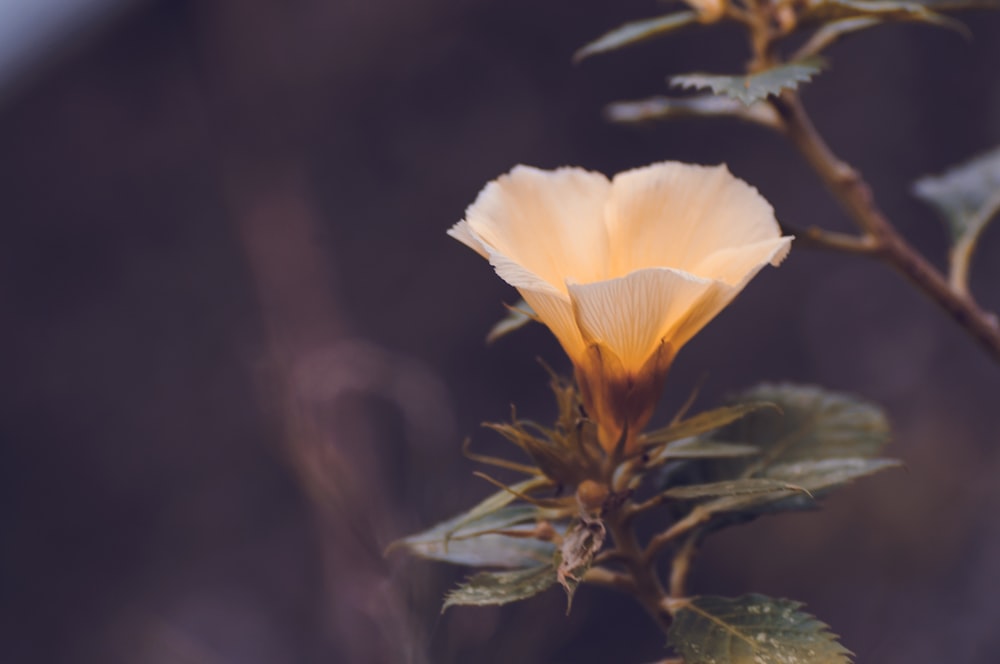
(646, 585)
(847, 185)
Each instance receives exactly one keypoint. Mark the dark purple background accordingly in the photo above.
(241, 354)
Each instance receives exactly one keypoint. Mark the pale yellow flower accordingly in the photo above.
(624, 272)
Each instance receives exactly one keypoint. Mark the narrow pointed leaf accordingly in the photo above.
(753, 87)
(701, 448)
(470, 538)
(752, 629)
(486, 588)
(705, 106)
(636, 31)
(518, 315)
(478, 543)
(705, 422)
(886, 10)
(819, 476)
(732, 488)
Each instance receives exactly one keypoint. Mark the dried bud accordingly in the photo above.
(591, 495)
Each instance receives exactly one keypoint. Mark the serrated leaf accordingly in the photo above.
(968, 199)
(492, 588)
(704, 422)
(752, 629)
(754, 87)
(470, 538)
(518, 315)
(706, 106)
(732, 488)
(636, 31)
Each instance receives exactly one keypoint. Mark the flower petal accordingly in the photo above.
(746, 262)
(556, 312)
(733, 264)
(463, 233)
(631, 315)
(676, 214)
(549, 222)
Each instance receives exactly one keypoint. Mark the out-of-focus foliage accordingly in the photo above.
(967, 197)
(637, 31)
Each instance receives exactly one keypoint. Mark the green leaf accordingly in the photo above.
(706, 106)
(754, 87)
(636, 31)
(961, 193)
(709, 420)
(486, 588)
(815, 440)
(885, 10)
(490, 541)
(809, 424)
(752, 629)
(824, 474)
(700, 448)
(968, 199)
(518, 315)
(471, 538)
(732, 488)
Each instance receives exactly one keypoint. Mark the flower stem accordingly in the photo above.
(881, 239)
(646, 585)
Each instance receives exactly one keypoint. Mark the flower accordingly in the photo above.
(623, 272)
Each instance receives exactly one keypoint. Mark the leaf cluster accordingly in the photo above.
(773, 448)
(787, 37)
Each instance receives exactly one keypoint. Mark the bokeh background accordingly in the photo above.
(240, 354)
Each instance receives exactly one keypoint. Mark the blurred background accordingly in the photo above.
(241, 354)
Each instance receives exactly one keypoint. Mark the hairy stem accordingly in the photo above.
(888, 245)
(646, 585)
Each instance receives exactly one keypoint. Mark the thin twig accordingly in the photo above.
(681, 565)
(854, 194)
(601, 576)
(695, 518)
(960, 257)
(819, 238)
(610, 556)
